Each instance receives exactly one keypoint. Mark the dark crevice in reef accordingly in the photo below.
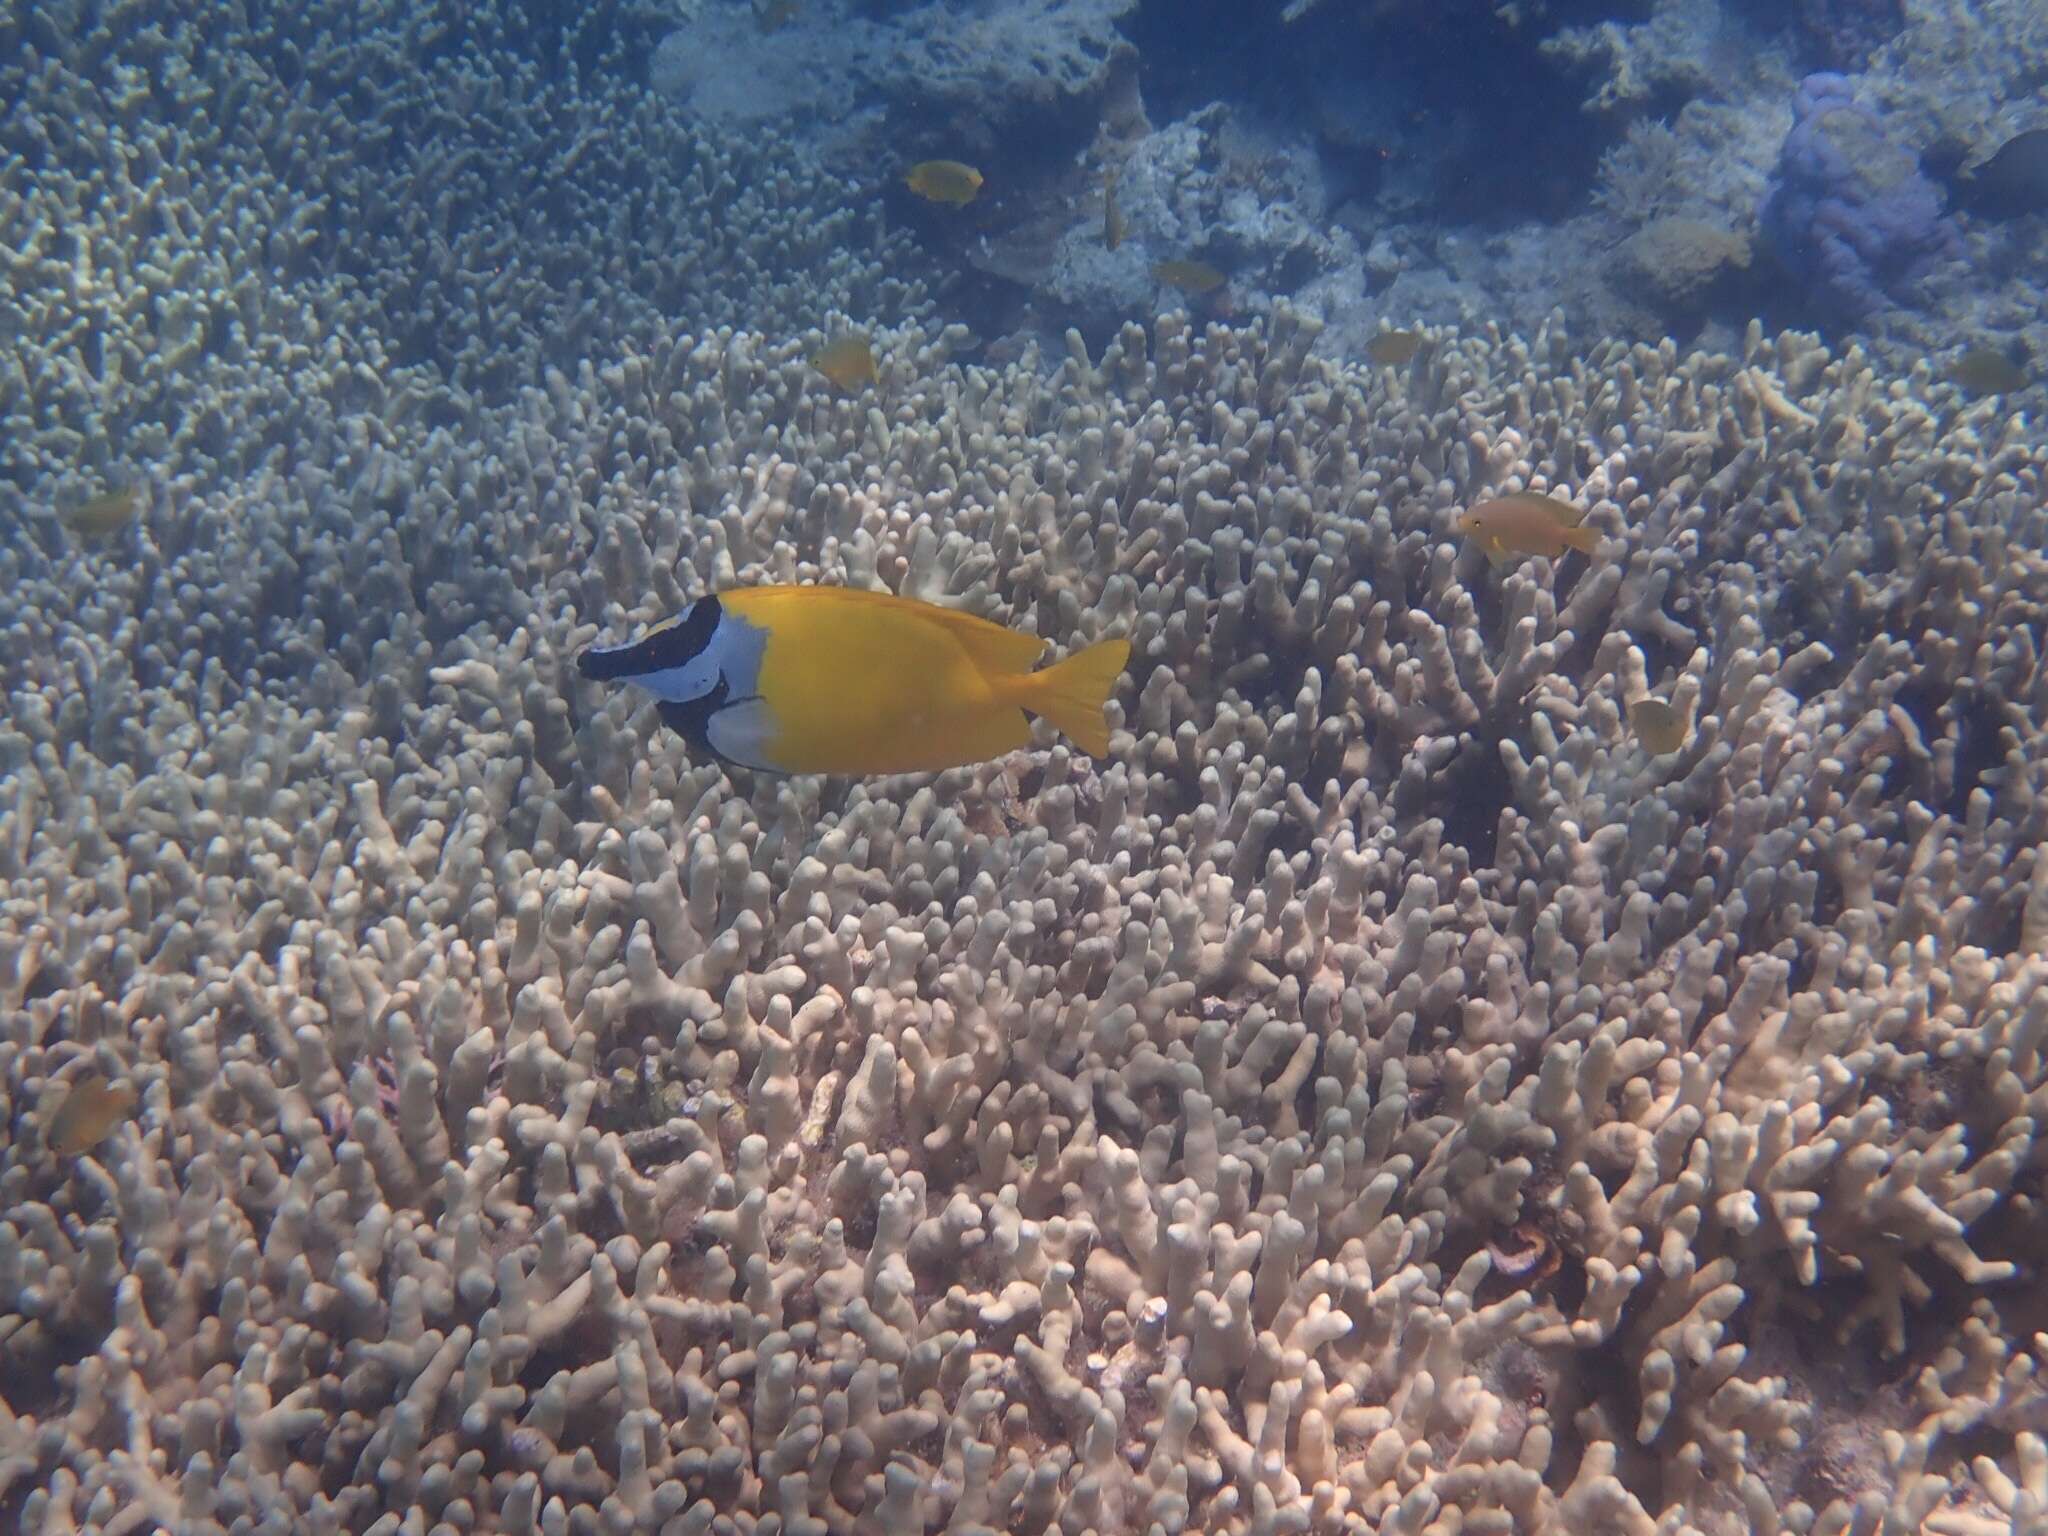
(1469, 797)
(1979, 725)
(1299, 74)
(1828, 34)
(1607, 1377)
(1272, 692)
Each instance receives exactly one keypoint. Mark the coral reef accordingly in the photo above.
(542, 1131)
(1678, 262)
(1008, 78)
(1850, 210)
(1843, 34)
(1711, 163)
(1963, 76)
(1210, 186)
(1680, 50)
(1378, 1097)
(175, 273)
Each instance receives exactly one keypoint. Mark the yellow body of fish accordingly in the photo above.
(944, 181)
(1393, 348)
(836, 681)
(1524, 523)
(848, 362)
(1189, 276)
(104, 514)
(1658, 726)
(90, 1111)
(1984, 372)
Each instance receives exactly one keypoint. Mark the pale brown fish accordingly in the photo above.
(1525, 523)
(944, 181)
(90, 1111)
(1393, 348)
(104, 515)
(848, 362)
(1112, 216)
(1658, 725)
(1189, 276)
(1984, 372)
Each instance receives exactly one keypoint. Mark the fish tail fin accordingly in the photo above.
(1072, 693)
(1585, 540)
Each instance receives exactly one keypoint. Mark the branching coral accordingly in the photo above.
(540, 1131)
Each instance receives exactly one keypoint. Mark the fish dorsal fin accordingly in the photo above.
(1567, 514)
(993, 648)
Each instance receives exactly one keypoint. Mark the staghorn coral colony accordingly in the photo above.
(1381, 1096)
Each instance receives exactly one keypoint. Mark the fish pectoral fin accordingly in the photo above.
(742, 733)
(1496, 551)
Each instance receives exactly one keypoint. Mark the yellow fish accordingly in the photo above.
(833, 680)
(1393, 348)
(1658, 726)
(1524, 523)
(848, 362)
(89, 1113)
(944, 181)
(1984, 372)
(1189, 276)
(104, 514)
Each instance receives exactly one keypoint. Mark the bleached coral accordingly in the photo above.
(1963, 76)
(1677, 51)
(175, 268)
(981, 78)
(1211, 187)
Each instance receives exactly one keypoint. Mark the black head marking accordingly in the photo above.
(657, 651)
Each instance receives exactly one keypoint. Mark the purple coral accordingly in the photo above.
(1850, 210)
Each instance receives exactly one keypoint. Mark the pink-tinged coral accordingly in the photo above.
(540, 1131)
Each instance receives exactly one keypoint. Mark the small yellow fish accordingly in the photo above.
(1524, 523)
(1393, 348)
(90, 1111)
(833, 680)
(103, 515)
(848, 362)
(1984, 372)
(944, 181)
(1189, 276)
(1112, 216)
(1658, 725)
